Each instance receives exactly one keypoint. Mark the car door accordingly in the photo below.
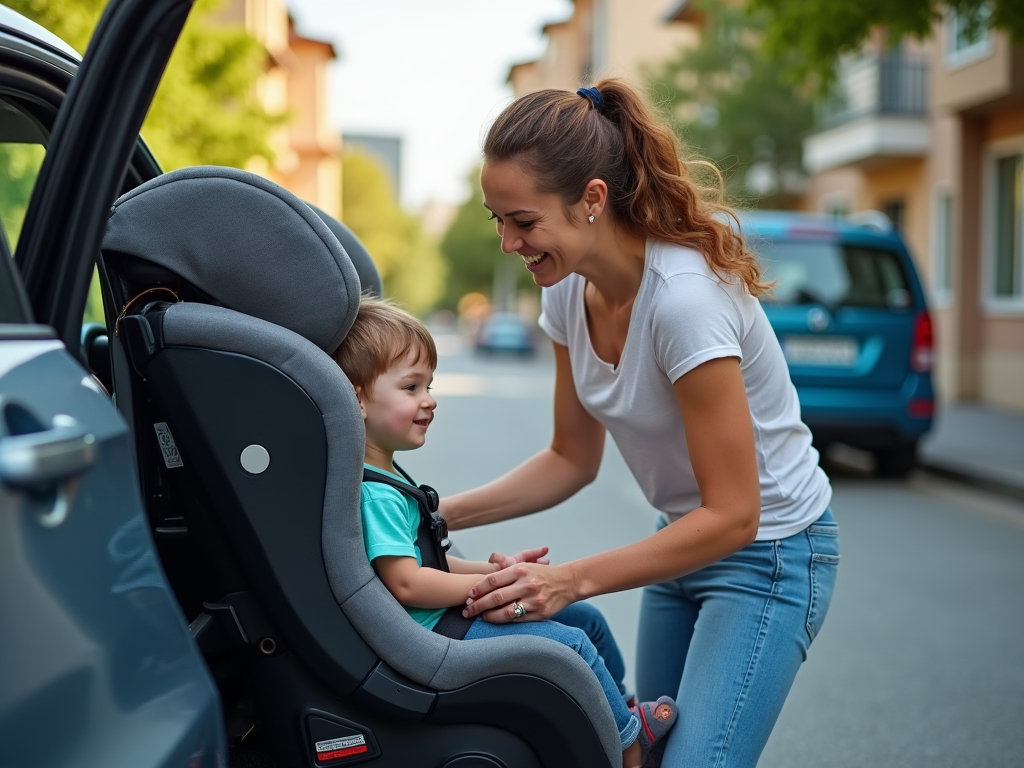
(96, 664)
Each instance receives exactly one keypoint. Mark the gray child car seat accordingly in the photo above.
(231, 293)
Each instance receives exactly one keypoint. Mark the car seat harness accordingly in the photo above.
(432, 540)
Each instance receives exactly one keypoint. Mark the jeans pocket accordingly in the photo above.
(824, 542)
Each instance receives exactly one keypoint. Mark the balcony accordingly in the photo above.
(878, 111)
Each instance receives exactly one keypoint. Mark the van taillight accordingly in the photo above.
(922, 354)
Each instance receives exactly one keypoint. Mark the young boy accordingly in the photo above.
(389, 356)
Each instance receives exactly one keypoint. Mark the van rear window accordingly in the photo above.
(832, 274)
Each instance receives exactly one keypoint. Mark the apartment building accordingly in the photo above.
(604, 38)
(933, 135)
(307, 150)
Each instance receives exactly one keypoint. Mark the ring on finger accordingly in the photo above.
(518, 610)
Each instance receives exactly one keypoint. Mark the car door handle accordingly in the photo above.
(45, 458)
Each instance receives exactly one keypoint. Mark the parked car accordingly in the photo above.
(505, 332)
(182, 578)
(851, 315)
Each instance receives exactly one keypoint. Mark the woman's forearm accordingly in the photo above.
(698, 539)
(542, 481)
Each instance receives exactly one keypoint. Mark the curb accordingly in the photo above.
(1010, 490)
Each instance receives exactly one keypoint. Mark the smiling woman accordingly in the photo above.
(650, 300)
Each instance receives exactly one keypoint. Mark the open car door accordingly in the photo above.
(96, 663)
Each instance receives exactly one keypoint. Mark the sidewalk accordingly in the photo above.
(977, 444)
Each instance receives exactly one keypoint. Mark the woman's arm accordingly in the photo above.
(423, 587)
(716, 419)
(545, 479)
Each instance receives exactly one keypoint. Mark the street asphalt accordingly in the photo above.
(921, 660)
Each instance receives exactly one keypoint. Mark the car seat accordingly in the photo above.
(230, 294)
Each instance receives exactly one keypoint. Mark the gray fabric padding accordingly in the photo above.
(369, 278)
(422, 656)
(245, 241)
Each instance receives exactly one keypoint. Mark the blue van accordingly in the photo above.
(851, 315)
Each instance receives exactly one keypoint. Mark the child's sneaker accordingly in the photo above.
(656, 720)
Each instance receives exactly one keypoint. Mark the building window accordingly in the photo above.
(1006, 261)
(967, 36)
(942, 245)
(896, 211)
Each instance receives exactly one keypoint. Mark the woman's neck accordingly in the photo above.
(616, 268)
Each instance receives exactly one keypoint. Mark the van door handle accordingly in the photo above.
(41, 459)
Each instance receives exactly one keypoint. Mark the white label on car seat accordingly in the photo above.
(170, 451)
(332, 745)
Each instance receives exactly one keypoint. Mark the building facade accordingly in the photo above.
(932, 134)
(604, 38)
(307, 150)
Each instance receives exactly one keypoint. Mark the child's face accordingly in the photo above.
(399, 407)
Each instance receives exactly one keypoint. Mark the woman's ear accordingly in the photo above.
(595, 197)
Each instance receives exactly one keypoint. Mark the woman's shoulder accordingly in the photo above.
(669, 260)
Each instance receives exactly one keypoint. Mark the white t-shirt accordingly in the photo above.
(684, 315)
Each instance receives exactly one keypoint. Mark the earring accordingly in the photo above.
(590, 218)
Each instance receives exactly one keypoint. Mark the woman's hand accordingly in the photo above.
(542, 590)
(535, 555)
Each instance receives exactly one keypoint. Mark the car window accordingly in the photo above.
(808, 272)
(22, 148)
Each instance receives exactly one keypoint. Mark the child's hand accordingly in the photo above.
(526, 556)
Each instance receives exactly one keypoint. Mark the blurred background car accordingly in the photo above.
(850, 313)
(505, 333)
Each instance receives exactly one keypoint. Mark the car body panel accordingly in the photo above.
(96, 662)
(851, 364)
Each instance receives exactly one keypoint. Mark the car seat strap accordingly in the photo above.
(432, 534)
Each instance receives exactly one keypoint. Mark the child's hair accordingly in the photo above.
(381, 335)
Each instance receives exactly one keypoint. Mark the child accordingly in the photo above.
(389, 357)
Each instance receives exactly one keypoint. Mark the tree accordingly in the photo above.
(730, 102)
(471, 246)
(206, 110)
(815, 33)
(408, 259)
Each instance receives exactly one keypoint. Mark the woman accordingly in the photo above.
(650, 298)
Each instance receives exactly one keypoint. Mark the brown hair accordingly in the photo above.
(381, 335)
(566, 142)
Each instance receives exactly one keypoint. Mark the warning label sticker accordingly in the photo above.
(345, 742)
(167, 446)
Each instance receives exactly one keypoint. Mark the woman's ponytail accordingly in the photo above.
(613, 135)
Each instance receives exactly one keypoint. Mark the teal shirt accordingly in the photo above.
(391, 521)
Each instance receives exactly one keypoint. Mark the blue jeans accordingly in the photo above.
(580, 627)
(727, 642)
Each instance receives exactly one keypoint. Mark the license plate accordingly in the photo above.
(813, 350)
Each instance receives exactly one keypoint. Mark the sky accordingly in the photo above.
(432, 73)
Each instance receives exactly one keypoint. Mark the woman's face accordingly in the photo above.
(536, 225)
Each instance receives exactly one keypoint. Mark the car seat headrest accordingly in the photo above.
(246, 242)
(369, 277)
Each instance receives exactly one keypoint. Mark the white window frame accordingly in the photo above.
(955, 59)
(943, 260)
(993, 305)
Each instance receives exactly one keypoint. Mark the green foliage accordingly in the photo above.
(729, 102)
(471, 246)
(813, 34)
(408, 259)
(19, 165)
(205, 110)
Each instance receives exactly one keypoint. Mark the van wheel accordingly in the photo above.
(898, 460)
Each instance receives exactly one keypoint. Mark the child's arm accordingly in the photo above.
(497, 561)
(460, 566)
(418, 587)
